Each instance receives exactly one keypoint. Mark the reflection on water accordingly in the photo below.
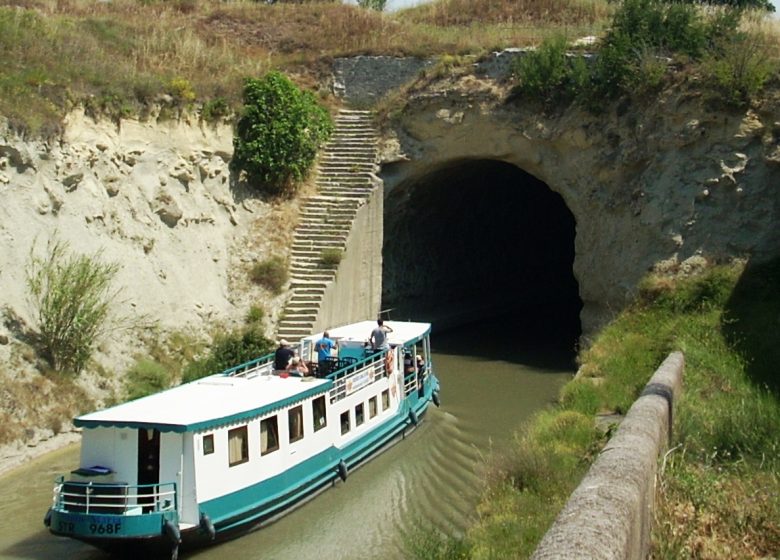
(488, 389)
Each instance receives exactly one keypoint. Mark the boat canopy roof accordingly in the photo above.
(404, 332)
(207, 403)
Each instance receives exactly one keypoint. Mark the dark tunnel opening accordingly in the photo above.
(482, 241)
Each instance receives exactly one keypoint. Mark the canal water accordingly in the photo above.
(492, 380)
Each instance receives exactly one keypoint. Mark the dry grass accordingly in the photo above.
(37, 401)
(117, 57)
(560, 13)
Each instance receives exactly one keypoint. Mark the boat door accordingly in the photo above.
(148, 465)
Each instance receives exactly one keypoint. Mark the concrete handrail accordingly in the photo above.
(610, 514)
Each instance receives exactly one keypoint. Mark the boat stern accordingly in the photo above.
(104, 514)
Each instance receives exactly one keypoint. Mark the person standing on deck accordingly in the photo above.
(323, 348)
(378, 338)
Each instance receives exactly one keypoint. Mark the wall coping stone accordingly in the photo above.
(609, 515)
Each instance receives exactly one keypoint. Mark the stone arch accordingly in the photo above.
(478, 237)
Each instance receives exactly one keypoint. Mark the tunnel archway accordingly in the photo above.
(478, 239)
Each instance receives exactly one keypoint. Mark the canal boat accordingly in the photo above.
(216, 457)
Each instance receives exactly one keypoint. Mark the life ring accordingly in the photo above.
(389, 362)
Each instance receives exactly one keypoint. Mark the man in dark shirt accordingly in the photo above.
(283, 355)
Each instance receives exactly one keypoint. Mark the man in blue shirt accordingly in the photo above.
(323, 348)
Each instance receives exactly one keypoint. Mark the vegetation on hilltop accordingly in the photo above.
(125, 57)
(647, 39)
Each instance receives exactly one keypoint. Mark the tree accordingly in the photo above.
(71, 296)
(280, 129)
(378, 5)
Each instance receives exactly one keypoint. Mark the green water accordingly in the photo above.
(491, 381)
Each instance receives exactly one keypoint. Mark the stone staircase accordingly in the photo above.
(345, 180)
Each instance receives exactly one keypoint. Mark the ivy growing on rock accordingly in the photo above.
(279, 131)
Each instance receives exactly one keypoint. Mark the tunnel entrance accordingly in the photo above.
(477, 240)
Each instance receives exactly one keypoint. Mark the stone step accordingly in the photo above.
(353, 148)
(352, 140)
(312, 264)
(293, 318)
(358, 155)
(293, 335)
(305, 299)
(347, 157)
(337, 175)
(295, 326)
(351, 192)
(345, 166)
(334, 216)
(320, 277)
(301, 307)
(311, 236)
(308, 288)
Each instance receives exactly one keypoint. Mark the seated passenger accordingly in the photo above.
(284, 354)
(297, 367)
(408, 362)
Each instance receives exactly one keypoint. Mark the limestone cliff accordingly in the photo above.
(156, 198)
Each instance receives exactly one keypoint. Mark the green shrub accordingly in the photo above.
(280, 129)
(255, 315)
(215, 109)
(270, 273)
(549, 74)
(230, 349)
(738, 69)
(378, 5)
(71, 297)
(644, 33)
(331, 256)
(145, 378)
(181, 90)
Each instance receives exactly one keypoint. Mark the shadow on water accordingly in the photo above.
(752, 322)
(41, 545)
(541, 336)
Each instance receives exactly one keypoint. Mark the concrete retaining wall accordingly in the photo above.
(356, 294)
(610, 514)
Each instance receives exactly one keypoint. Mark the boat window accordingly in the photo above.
(208, 444)
(359, 414)
(295, 420)
(385, 399)
(344, 422)
(238, 446)
(372, 407)
(269, 435)
(318, 414)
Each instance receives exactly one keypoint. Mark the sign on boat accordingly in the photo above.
(236, 450)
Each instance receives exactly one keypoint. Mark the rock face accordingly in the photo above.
(662, 182)
(155, 198)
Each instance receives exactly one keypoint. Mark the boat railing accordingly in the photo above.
(355, 376)
(263, 365)
(410, 383)
(114, 498)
